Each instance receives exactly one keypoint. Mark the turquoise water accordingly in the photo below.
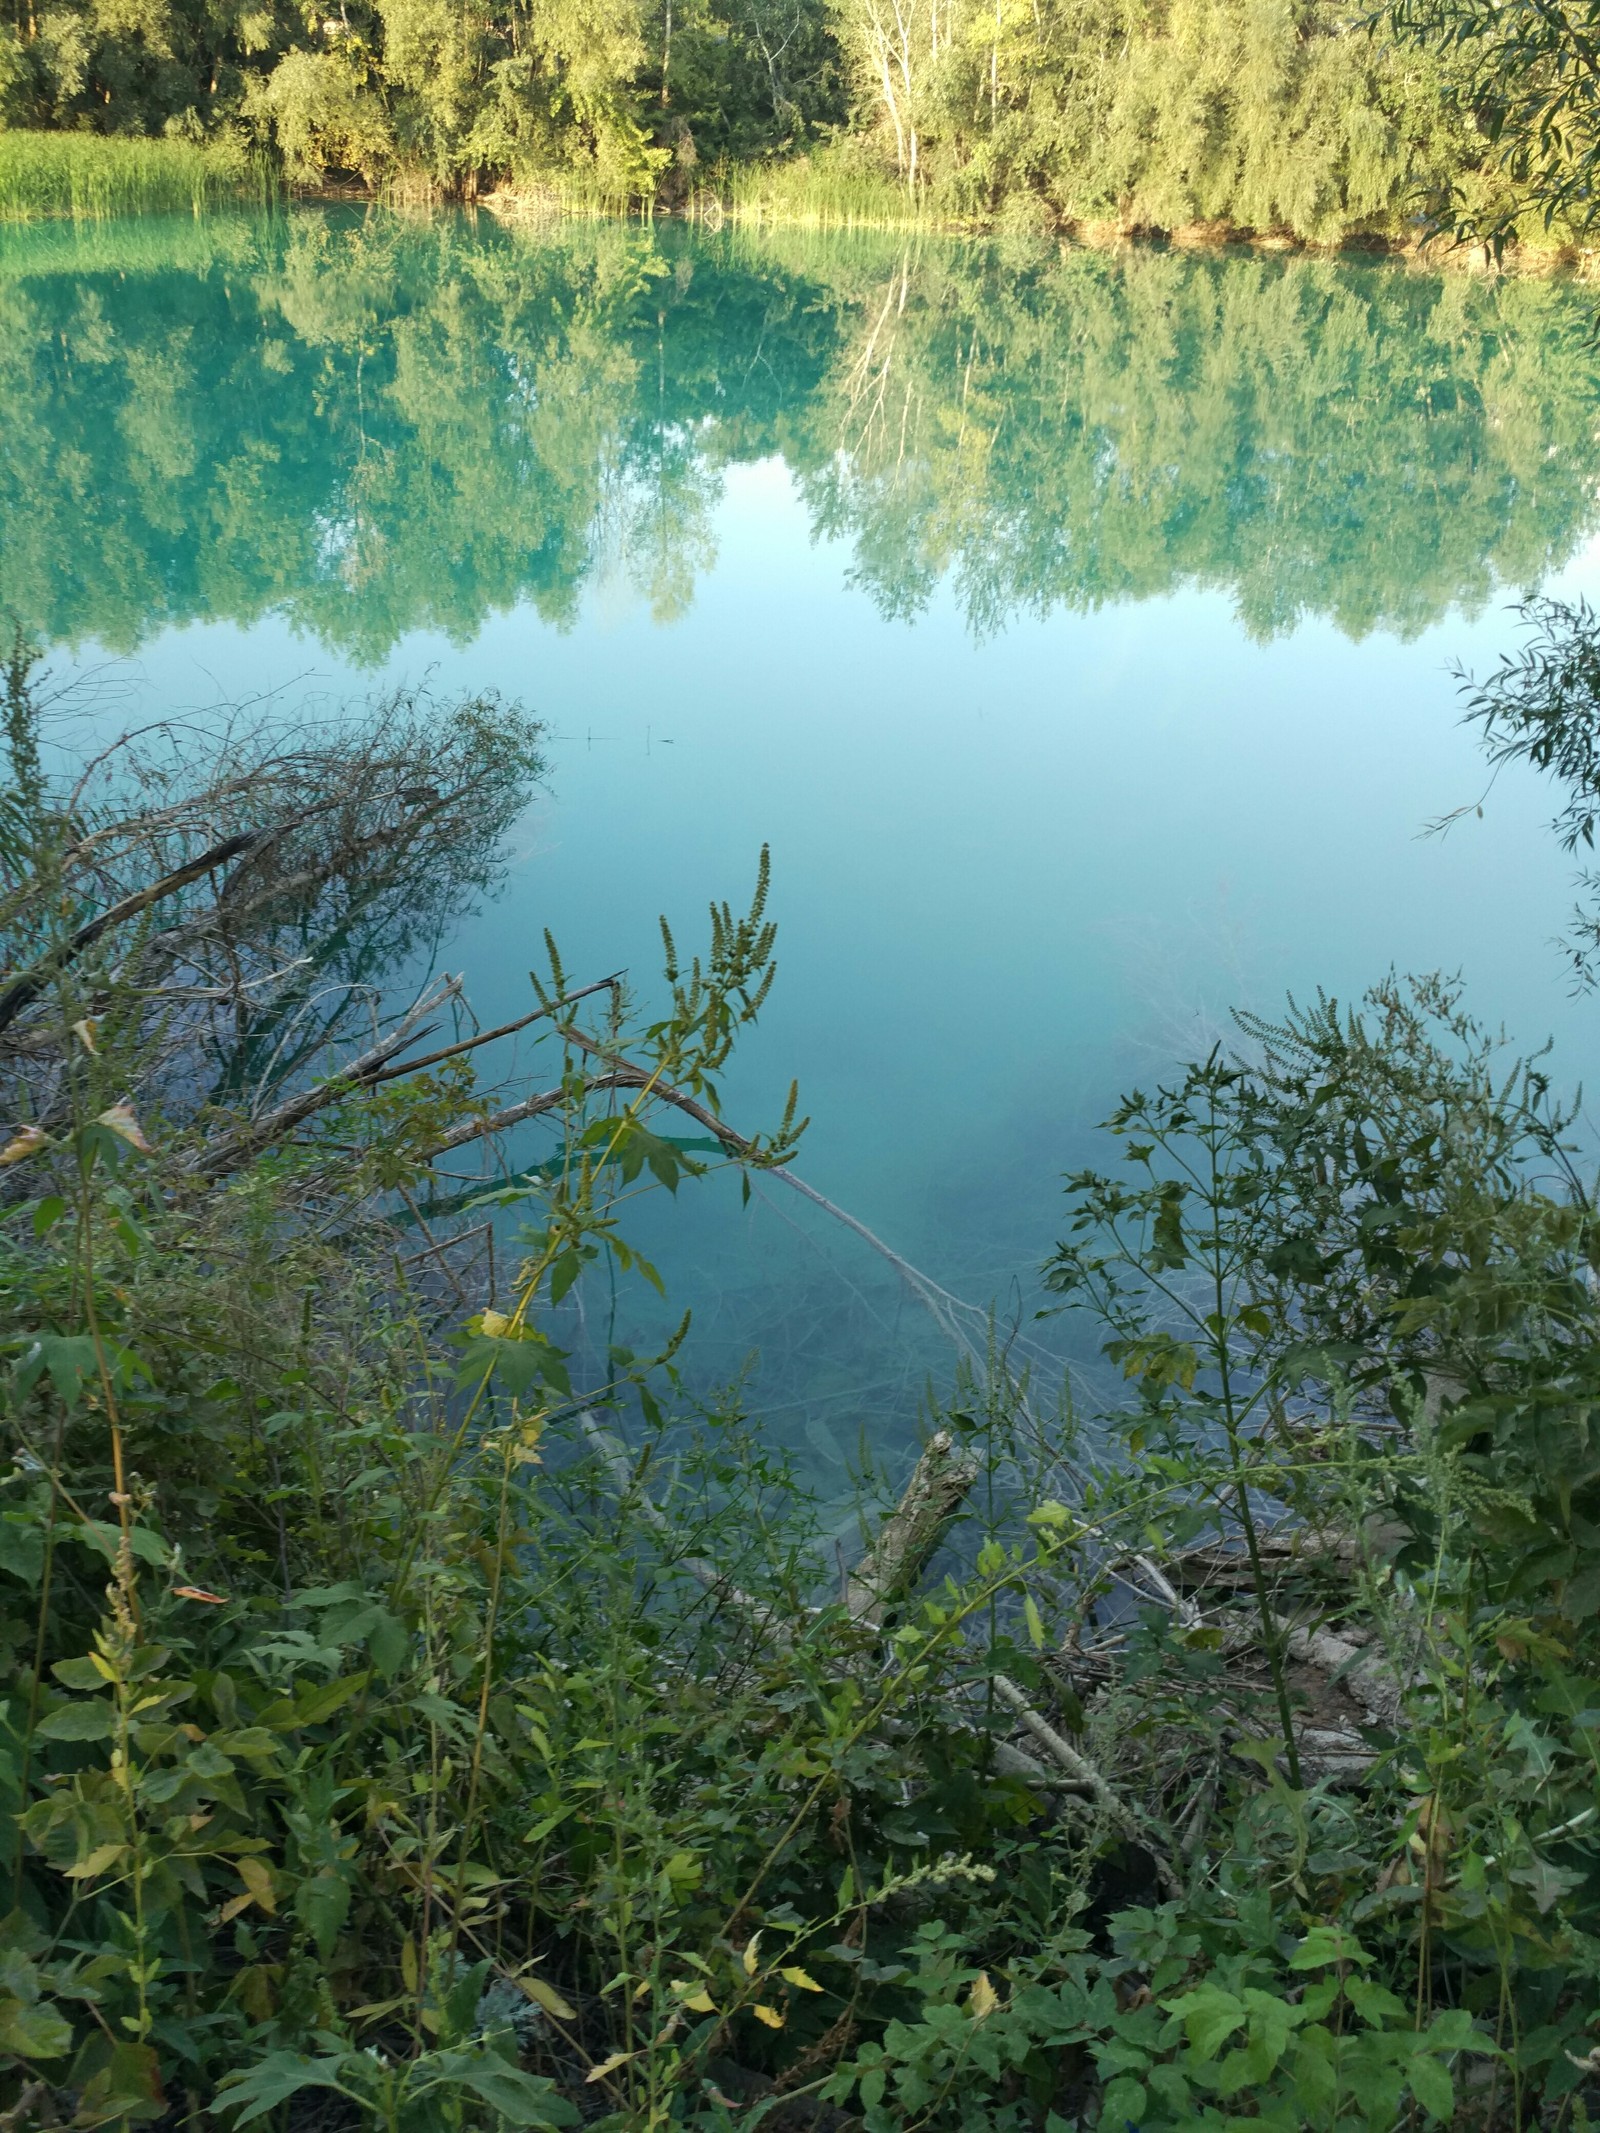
(1075, 627)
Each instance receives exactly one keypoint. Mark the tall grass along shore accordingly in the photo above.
(93, 176)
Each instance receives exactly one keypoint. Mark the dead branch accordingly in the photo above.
(632, 1491)
(938, 1487)
(27, 988)
(374, 1068)
(488, 1036)
(1086, 1777)
(238, 1147)
(490, 1124)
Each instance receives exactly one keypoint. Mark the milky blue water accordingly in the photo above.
(1076, 629)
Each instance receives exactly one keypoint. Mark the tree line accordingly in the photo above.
(1293, 117)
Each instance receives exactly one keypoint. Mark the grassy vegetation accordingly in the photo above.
(93, 176)
(825, 191)
(185, 243)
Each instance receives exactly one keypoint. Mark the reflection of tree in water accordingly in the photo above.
(379, 425)
(1356, 441)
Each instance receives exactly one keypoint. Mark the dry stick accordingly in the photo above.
(632, 1491)
(477, 1129)
(243, 845)
(1012, 1762)
(939, 1484)
(488, 1036)
(372, 1068)
(272, 1125)
(1084, 1774)
(28, 987)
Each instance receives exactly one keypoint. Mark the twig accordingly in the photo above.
(1084, 1774)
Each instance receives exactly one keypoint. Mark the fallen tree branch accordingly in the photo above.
(373, 1068)
(1088, 1778)
(25, 990)
(488, 1036)
(938, 1487)
(271, 1126)
(632, 1491)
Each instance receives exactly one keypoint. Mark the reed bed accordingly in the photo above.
(819, 192)
(93, 177)
(542, 194)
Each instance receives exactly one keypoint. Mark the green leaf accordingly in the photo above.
(322, 1904)
(518, 1361)
(69, 1358)
(388, 1642)
(125, 2084)
(78, 1674)
(319, 1700)
(147, 1546)
(1431, 2084)
(1327, 1944)
(1124, 2103)
(79, 1721)
(1376, 2003)
(1209, 2017)
(33, 2032)
(48, 1213)
(521, 2099)
(22, 1547)
(273, 2080)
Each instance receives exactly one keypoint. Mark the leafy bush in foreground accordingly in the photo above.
(415, 1718)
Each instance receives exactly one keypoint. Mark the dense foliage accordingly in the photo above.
(419, 1714)
(377, 426)
(1286, 118)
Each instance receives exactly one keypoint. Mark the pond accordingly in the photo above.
(1076, 627)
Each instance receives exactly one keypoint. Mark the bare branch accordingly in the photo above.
(27, 988)
(238, 1147)
(1084, 1774)
(938, 1487)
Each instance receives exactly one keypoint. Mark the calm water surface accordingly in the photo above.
(1076, 629)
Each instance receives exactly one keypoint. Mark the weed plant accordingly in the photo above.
(822, 191)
